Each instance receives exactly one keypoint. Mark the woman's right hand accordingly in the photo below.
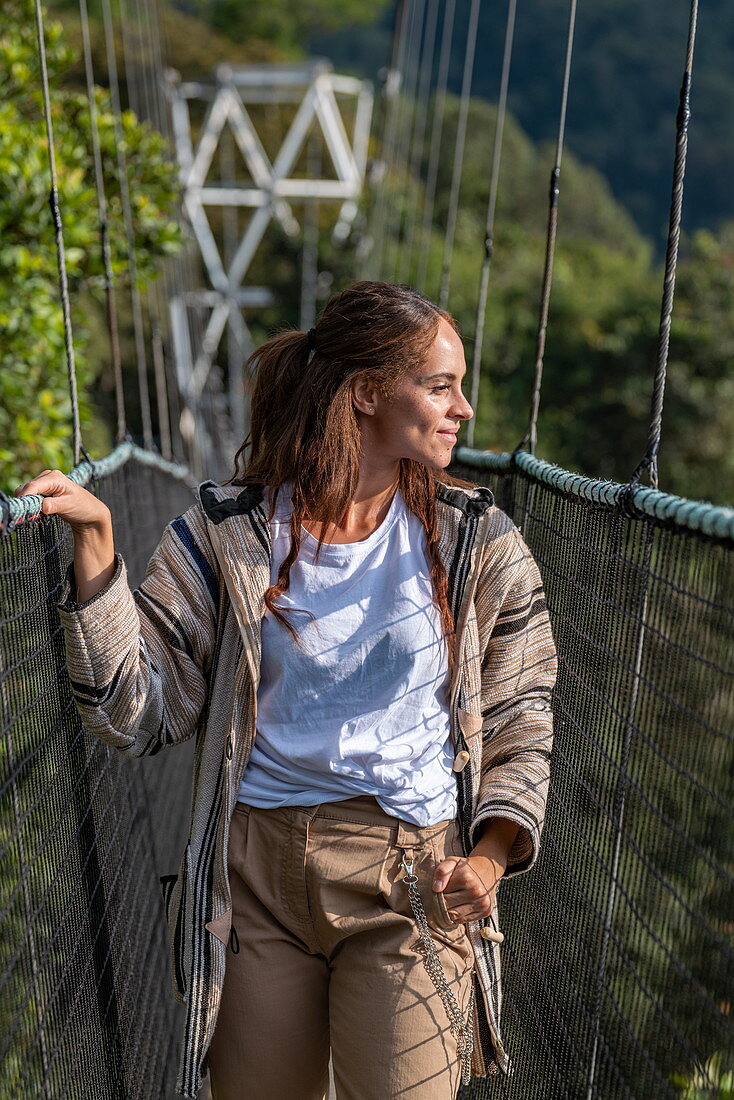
(67, 500)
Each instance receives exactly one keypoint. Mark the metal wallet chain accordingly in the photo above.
(461, 1029)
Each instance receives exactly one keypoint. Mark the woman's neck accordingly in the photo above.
(363, 515)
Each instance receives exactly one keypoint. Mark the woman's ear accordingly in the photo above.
(364, 395)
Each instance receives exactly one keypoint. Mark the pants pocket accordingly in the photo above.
(443, 844)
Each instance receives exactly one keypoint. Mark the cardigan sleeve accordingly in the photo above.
(519, 668)
(138, 660)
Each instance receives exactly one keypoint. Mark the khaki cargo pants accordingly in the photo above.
(324, 956)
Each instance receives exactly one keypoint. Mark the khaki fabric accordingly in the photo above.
(323, 953)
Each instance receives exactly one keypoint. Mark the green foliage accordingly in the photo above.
(279, 22)
(625, 79)
(710, 1082)
(601, 347)
(35, 408)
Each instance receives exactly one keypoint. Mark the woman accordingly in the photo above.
(383, 626)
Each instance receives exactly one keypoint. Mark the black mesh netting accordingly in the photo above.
(619, 950)
(618, 954)
(85, 997)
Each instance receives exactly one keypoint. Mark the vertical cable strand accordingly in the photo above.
(111, 305)
(671, 262)
(419, 130)
(489, 225)
(127, 216)
(59, 233)
(434, 155)
(391, 94)
(530, 437)
(466, 83)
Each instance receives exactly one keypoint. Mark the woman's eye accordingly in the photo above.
(437, 389)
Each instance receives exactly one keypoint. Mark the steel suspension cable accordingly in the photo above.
(491, 208)
(530, 437)
(412, 65)
(59, 234)
(422, 121)
(650, 459)
(161, 386)
(137, 310)
(466, 82)
(102, 215)
(419, 131)
(393, 81)
(434, 155)
(153, 99)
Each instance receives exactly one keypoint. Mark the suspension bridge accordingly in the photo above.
(619, 951)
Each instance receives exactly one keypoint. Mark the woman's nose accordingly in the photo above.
(462, 409)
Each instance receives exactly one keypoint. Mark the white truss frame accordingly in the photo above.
(315, 88)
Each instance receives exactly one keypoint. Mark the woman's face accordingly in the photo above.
(422, 416)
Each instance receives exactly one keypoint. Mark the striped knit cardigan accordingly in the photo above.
(180, 656)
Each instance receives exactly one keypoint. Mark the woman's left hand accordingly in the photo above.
(469, 885)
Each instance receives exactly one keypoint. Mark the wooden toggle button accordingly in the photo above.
(495, 936)
(460, 760)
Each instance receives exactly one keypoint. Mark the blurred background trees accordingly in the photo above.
(613, 213)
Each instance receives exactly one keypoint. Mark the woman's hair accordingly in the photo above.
(304, 427)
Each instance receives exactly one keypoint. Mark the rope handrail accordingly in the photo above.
(15, 511)
(714, 520)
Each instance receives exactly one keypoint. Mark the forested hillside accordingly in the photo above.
(627, 68)
(606, 297)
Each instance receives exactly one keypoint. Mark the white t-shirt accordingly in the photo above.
(361, 707)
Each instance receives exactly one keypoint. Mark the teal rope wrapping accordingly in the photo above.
(17, 510)
(714, 520)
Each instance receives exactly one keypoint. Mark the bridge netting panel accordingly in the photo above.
(618, 964)
(618, 960)
(85, 834)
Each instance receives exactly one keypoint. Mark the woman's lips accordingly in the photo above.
(451, 435)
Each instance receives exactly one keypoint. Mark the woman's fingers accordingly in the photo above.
(46, 481)
(468, 890)
(64, 498)
(445, 871)
(460, 914)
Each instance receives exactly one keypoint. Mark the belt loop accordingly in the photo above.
(405, 835)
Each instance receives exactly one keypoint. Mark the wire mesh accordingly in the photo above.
(618, 960)
(618, 957)
(85, 834)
